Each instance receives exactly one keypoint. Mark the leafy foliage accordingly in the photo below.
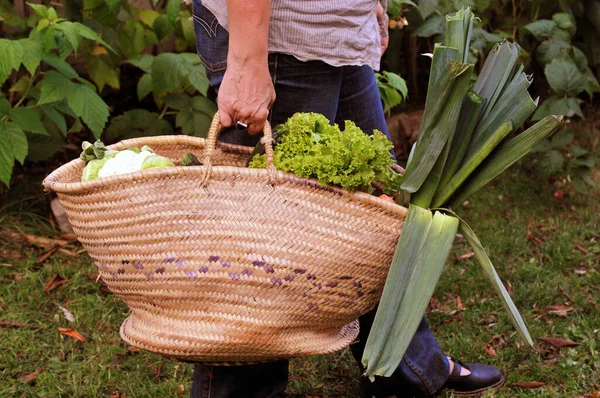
(563, 35)
(565, 66)
(48, 97)
(561, 157)
(136, 123)
(559, 40)
(392, 89)
(45, 96)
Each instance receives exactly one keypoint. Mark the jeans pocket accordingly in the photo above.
(212, 40)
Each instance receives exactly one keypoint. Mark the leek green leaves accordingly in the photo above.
(464, 142)
(420, 256)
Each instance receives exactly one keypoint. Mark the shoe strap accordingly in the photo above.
(458, 365)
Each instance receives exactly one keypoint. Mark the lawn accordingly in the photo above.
(547, 251)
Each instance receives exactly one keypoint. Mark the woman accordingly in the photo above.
(268, 60)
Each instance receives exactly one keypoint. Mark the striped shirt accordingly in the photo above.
(339, 33)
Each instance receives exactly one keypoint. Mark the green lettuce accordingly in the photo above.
(310, 147)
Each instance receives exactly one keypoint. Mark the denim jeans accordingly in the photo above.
(339, 93)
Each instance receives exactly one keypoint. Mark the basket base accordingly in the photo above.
(216, 349)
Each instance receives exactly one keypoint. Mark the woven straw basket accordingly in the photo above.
(220, 263)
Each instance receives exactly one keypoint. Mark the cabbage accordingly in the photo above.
(103, 162)
(90, 171)
(123, 162)
(139, 159)
(155, 161)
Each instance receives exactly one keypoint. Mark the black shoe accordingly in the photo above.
(481, 379)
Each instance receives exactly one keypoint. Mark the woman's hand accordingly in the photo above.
(247, 92)
(383, 20)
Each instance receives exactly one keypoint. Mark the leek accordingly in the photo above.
(467, 120)
(439, 121)
(463, 144)
(415, 229)
(505, 156)
(491, 273)
(471, 164)
(421, 254)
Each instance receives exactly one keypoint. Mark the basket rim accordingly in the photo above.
(53, 181)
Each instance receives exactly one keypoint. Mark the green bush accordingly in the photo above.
(559, 40)
(61, 76)
(66, 71)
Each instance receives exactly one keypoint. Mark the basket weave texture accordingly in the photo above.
(220, 263)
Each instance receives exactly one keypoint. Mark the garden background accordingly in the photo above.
(80, 70)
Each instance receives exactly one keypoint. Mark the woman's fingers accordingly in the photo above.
(225, 115)
(383, 21)
(245, 96)
(258, 123)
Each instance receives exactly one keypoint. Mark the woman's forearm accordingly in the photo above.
(248, 31)
(247, 92)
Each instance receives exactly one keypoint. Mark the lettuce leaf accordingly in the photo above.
(311, 147)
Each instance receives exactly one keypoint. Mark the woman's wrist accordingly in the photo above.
(247, 57)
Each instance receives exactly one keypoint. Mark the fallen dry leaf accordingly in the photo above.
(459, 303)
(15, 324)
(464, 256)
(508, 287)
(581, 249)
(68, 314)
(133, 349)
(563, 291)
(559, 343)
(54, 282)
(498, 340)
(157, 370)
(46, 255)
(72, 333)
(490, 350)
(529, 384)
(68, 252)
(558, 310)
(43, 242)
(530, 237)
(68, 236)
(114, 362)
(180, 389)
(31, 377)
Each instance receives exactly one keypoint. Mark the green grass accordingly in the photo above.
(501, 215)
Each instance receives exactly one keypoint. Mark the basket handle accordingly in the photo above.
(211, 143)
